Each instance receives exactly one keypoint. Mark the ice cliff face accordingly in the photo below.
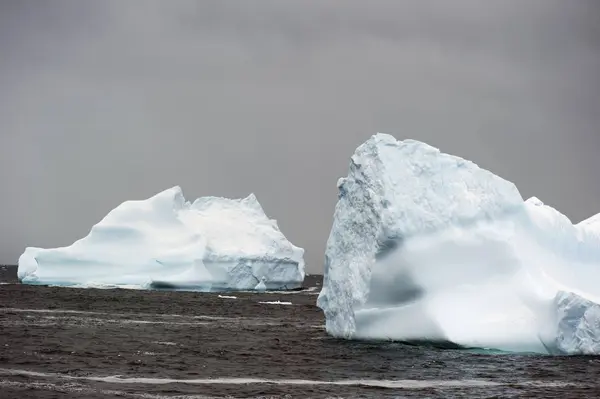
(425, 245)
(210, 244)
(577, 325)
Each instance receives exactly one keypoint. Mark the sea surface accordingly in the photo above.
(101, 343)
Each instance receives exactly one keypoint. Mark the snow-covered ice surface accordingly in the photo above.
(212, 244)
(428, 246)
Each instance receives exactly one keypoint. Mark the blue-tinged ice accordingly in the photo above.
(428, 246)
(212, 244)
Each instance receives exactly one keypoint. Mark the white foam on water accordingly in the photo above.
(84, 391)
(388, 384)
(52, 320)
(263, 321)
(276, 303)
(227, 297)
(133, 321)
(404, 384)
(15, 310)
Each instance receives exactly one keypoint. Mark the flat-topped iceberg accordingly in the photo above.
(428, 246)
(212, 244)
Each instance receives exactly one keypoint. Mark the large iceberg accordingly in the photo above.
(427, 246)
(212, 244)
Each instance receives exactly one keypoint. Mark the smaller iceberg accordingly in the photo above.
(165, 242)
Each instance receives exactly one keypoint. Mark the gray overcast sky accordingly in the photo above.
(105, 101)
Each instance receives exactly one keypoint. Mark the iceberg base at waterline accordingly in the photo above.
(165, 242)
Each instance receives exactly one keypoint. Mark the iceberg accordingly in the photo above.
(427, 246)
(212, 244)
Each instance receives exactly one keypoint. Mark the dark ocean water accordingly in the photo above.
(93, 343)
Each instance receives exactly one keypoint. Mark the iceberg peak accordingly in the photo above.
(171, 195)
(535, 201)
